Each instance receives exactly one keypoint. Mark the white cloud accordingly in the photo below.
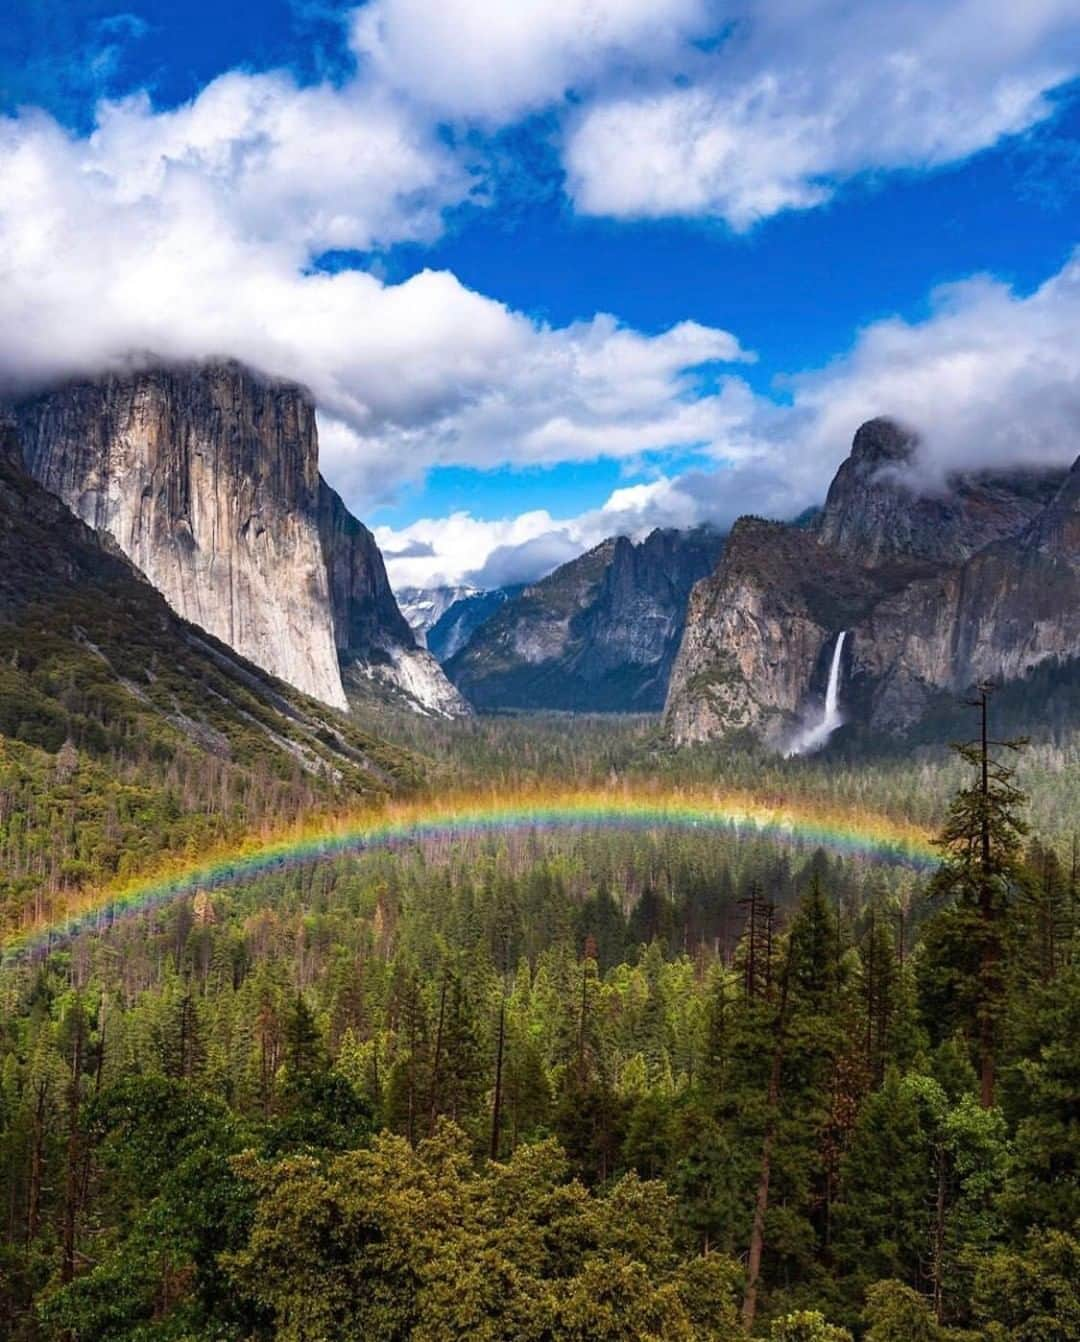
(990, 379)
(461, 545)
(799, 97)
(496, 552)
(190, 233)
(495, 62)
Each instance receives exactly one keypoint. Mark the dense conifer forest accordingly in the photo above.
(587, 1085)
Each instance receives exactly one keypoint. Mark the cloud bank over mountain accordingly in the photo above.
(249, 221)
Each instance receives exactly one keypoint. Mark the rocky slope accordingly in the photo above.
(376, 648)
(97, 658)
(598, 634)
(936, 590)
(206, 477)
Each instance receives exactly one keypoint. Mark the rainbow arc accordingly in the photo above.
(855, 834)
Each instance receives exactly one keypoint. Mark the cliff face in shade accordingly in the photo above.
(598, 634)
(206, 477)
(377, 649)
(936, 592)
(874, 514)
(1013, 605)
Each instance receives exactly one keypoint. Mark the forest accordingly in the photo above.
(585, 1085)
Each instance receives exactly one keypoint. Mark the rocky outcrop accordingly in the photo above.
(598, 634)
(206, 477)
(936, 592)
(757, 631)
(208, 480)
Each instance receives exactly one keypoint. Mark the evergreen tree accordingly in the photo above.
(980, 844)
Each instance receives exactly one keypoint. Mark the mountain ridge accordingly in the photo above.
(599, 633)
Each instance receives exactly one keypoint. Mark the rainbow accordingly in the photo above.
(854, 834)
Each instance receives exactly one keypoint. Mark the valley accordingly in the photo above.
(645, 926)
(539, 671)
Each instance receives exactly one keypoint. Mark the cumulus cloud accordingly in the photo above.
(473, 59)
(729, 108)
(461, 547)
(191, 233)
(798, 98)
(990, 379)
(196, 232)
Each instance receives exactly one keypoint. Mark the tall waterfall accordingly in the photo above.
(814, 737)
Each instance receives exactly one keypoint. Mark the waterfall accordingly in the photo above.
(814, 737)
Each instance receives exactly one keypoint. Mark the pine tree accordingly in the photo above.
(980, 843)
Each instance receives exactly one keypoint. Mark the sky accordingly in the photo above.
(559, 269)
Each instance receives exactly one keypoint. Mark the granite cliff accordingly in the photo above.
(98, 659)
(206, 476)
(598, 634)
(938, 588)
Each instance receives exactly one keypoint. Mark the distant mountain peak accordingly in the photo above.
(597, 634)
(876, 512)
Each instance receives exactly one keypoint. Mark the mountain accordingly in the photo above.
(936, 590)
(206, 476)
(457, 624)
(424, 607)
(598, 634)
(98, 660)
(876, 513)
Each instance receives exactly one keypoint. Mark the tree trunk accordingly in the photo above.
(37, 1163)
(496, 1107)
(433, 1107)
(761, 1201)
(72, 1181)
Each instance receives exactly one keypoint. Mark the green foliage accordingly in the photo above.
(267, 1114)
(1031, 1294)
(896, 1313)
(806, 1325)
(419, 1242)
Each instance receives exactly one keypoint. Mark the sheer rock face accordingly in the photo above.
(374, 640)
(599, 633)
(207, 478)
(936, 593)
(759, 629)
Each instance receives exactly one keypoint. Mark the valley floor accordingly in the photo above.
(616, 1082)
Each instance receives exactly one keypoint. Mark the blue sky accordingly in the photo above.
(568, 269)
